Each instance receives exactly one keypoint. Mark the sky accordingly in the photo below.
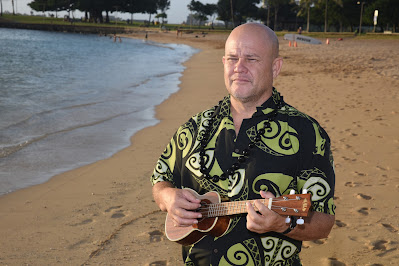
(177, 13)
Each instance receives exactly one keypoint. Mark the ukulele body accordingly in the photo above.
(188, 235)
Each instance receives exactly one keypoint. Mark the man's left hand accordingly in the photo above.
(264, 220)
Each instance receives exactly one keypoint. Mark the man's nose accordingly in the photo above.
(240, 66)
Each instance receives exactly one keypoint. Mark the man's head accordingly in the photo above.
(251, 63)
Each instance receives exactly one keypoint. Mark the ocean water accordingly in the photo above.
(67, 100)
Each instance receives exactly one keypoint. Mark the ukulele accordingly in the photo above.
(215, 215)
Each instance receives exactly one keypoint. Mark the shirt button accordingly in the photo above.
(215, 250)
(237, 150)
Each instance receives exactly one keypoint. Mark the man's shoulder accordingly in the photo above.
(301, 120)
(221, 108)
(198, 118)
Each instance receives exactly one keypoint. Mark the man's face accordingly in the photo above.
(248, 67)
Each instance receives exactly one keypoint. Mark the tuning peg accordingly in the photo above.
(287, 220)
(300, 221)
(304, 191)
(292, 192)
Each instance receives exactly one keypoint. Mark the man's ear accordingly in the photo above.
(223, 60)
(277, 65)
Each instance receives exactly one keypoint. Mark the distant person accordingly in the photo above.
(252, 145)
(300, 30)
(179, 31)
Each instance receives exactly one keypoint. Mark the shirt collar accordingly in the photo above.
(268, 106)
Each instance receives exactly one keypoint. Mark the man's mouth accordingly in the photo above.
(240, 79)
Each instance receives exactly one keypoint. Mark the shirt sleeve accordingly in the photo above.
(317, 173)
(170, 163)
(164, 168)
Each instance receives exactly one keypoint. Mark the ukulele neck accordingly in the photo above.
(233, 207)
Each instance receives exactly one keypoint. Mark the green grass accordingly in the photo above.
(60, 21)
(346, 35)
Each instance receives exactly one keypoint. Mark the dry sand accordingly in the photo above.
(103, 213)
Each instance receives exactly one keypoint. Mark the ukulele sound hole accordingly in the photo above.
(203, 209)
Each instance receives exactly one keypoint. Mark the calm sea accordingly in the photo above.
(67, 100)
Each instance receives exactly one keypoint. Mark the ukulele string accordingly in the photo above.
(221, 205)
(213, 208)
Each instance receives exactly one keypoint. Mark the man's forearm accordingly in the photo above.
(156, 192)
(317, 225)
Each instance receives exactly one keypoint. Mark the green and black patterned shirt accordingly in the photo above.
(294, 153)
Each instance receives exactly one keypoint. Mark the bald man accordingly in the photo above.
(252, 145)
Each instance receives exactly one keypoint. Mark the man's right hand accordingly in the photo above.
(179, 203)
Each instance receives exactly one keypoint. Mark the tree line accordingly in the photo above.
(311, 15)
(94, 9)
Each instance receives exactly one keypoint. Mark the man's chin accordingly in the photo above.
(243, 98)
(241, 92)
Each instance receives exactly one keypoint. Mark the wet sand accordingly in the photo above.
(103, 213)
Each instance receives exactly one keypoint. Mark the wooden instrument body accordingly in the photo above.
(215, 226)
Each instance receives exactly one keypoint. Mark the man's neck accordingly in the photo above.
(242, 110)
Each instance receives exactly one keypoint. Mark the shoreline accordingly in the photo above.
(97, 185)
(104, 212)
(70, 143)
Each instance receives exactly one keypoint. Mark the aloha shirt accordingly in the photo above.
(294, 153)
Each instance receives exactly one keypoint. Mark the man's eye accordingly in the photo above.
(232, 59)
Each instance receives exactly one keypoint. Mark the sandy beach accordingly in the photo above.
(103, 213)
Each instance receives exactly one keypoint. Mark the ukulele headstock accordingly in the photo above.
(292, 205)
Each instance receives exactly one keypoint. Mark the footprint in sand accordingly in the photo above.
(390, 228)
(359, 173)
(113, 208)
(156, 236)
(353, 238)
(117, 214)
(381, 168)
(339, 223)
(319, 241)
(347, 146)
(159, 263)
(364, 211)
(351, 184)
(334, 262)
(378, 245)
(77, 244)
(87, 221)
(363, 196)
(346, 158)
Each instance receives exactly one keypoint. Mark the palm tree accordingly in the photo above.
(1, 7)
(276, 4)
(266, 5)
(325, 17)
(232, 13)
(339, 2)
(13, 10)
(305, 5)
(304, 8)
